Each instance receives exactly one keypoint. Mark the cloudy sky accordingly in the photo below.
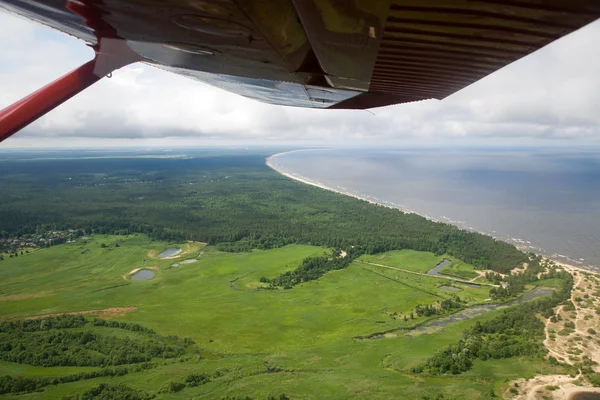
(550, 97)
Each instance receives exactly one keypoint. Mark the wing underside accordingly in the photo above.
(322, 53)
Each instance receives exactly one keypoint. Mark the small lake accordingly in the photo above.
(436, 269)
(473, 285)
(142, 275)
(450, 288)
(170, 252)
(437, 324)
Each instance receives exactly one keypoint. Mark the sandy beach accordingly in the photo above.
(307, 181)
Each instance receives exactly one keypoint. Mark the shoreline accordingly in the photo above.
(307, 181)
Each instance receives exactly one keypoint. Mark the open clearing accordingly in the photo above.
(305, 334)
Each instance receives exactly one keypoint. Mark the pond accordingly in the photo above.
(170, 252)
(473, 285)
(437, 324)
(142, 275)
(436, 272)
(450, 288)
(436, 269)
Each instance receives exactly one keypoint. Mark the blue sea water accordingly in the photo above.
(543, 200)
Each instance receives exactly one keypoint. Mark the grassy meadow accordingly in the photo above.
(301, 341)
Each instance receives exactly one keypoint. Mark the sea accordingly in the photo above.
(543, 200)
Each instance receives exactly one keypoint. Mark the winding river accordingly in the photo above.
(437, 324)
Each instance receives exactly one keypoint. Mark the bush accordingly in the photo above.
(105, 391)
(174, 387)
(594, 379)
(591, 331)
(196, 380)
(569, 306)
(570, 325)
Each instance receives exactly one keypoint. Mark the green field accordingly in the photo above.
(418, 261)
(300, 341)
(553, 283)
(459, 269)
(421, 261)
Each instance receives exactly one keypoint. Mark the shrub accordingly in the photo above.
(174, 387)
(570, 324)
(594, 379)
(196, 379)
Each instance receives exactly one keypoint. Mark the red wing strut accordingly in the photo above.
(113, 54)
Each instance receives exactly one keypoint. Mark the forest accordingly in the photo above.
(234, 201)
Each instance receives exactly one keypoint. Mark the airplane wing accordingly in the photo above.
(344, 54)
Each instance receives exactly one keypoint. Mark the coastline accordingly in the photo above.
(302, 179)
(307, 181)
(568, 387)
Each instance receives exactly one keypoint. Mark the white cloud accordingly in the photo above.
(553, 94)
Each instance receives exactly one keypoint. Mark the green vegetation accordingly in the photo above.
(410, 260)
(459, 269)
(554, 283)
(594, 379)
(441, 307)
(517, 332)
(421, 262)
(278, 305)
(46, 343)
(311, 268)
(537, 271)
(109, 392)
(233, 200)
(251, 341)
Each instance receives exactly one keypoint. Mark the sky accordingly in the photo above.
(551, 97)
